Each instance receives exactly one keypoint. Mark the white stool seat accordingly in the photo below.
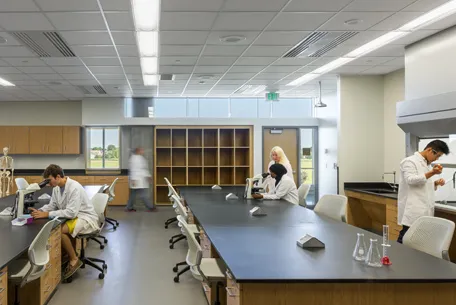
(18, 269)
(212, 269)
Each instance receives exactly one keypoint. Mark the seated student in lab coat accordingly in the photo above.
(277, 155)
(284, 188)
(69, 201)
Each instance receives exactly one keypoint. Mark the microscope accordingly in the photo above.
(24, 196)
(252, 185)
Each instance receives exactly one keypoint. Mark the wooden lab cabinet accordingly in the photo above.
(46, 140)
(71, 138)
(3, 286)
(16, 138)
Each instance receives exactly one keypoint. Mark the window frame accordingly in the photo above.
(88, 148)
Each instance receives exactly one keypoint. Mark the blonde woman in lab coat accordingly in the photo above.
(277, 155)
(284, 187)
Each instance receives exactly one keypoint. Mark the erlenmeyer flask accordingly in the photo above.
(359, 254)
(373, 259)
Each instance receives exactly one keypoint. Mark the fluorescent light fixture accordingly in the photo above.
(376, 43)
(332, 65)
(149, 65)
(146, 14)
(243, 89)
(437, 14)
(304, 79)
(253, 90)
(148, 43)
(5, 83)
(150, 80)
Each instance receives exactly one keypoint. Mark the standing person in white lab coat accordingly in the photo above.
(140, 178)
(284, 187)
(69, 201)
(416, 188)
(277, 156)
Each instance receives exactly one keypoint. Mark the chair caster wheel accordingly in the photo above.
(166, 227)
(102, 247)
(105, 267)
(176, 280)
(83, 266)
(68, 280)
(175, 269)
(171, 246)
(115, 228)
(106, 241)
(101, 276)
(170, 241)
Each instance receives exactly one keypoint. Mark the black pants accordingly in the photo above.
(402, 233)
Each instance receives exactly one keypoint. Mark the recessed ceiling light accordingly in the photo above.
(54, 83)
(353, 21)
(24, 61)
(201, 82)
(206, 77)
(232, 39)
(2, 39)
(178, 61)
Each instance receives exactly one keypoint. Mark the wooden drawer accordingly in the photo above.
(84, 180)
(391, 216)
(233, 290)
(3, 296)
(3, 279)
(207, 292)
(103, 179)
(205, 245)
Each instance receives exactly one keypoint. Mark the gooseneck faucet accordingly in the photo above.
(393, 186)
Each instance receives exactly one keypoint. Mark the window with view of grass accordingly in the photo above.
(103, 145)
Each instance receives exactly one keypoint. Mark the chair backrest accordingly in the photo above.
(100, 201)
(171, 190)
(182, 210)
(102, 188)
(194, 253)
(431, 235)
(38, 252)
(111, 189)
(303, 191)
(332, 206)
(21, 183)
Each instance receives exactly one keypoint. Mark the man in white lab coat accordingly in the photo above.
(416, 188)
(69, 201)
(140, 178)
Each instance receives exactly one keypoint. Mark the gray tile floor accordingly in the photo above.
(139, 266)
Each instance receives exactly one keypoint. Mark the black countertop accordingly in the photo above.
(373, 188)
(69, 172)
(263, 249)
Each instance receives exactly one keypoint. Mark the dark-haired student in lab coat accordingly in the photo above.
(284, 188)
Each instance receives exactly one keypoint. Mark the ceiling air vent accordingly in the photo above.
(45, 44)
(167, 76)
(319, 43)
(92, 89)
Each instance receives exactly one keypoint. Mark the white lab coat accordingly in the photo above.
(269, 182)
(138, 172)
(416, 193)
(73, 203)
(285, 189)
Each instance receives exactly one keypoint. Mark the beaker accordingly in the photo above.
(359, 254)
(373, 258)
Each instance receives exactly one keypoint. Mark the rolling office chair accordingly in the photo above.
(100, 202)
(112, 194)
(22, 272)
(95, 239)
(303, 191)
(182, 211)
(171, 191)
(431, 235)
(207, 270)
(332, 206)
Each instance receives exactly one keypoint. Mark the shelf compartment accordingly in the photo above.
(179, 157)
(242, 138)
(241, 173)
(179, 175)
(210, 157)
(162, 195)
(226, 157)
(179, 137)
(162, 173)
(195, 138)
(210, 175)
(226, 138)
(163, 157)
(242, 157)
(195, 157)
(195, 176)
(210, 137)
(226, 176)
(163, 138)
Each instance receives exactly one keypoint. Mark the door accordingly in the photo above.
(71, 140)
(54, 140)
(21, 144)
(287, 138)
(38, 140)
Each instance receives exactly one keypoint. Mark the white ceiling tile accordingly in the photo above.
(377, 6)
(317, 6)
(185, 50)
(217, 50)
(93, 51)
(127, 61)
(67, 5)
(253, 5)
(415, 36)
(136, 81)
(86, 37)
(28, 82)
(77, 21)
(46, 76)
(128, 51)
(395, 21)
(236, 82)
(350, 69)
(16, 51)
(15, 77)
(369, 19)
(38, 70)
(267, 50)
(240, 76)
(197, 81)
(191, 6)
(70, 69)
(253, 21)
(106, 69)
(4, 63)
(9, 70)
(183, 21)
(53, 86)
(271, 76)
(132, 69)
(380, 70)
(116, 5)
(101, 76)
(10, 39)
(389, 50)
(275, 69)
(281, 38)
(176, 69)
(364, 37)
(398, 62)
(15, 22)
(255, 61)
(216, 61)
(299, 21)
(424, 5)
(24, 61)
(124, 37)
(215, 36)
(247, 69)
(183, 37)
(370, 61)
(181, 77)
(341, 50)
(120, 21)
(18, 6)
(63, 61)
(84, 82)
(113, 82)
(211, 69)
(178, 60)
(134, 76)
(78, 76)
(294, 61)
(103, 61)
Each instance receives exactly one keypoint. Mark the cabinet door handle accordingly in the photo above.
(44, 148)
(64, 147)
(230, 293)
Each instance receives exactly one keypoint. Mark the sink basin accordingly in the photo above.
(381, 191)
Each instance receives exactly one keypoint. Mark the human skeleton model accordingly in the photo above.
(6, 173)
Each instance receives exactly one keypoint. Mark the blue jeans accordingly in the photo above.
(143, 194)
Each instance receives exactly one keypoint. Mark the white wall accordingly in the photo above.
(361, 129)
(394, 137)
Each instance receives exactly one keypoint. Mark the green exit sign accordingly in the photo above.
(272, 96)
